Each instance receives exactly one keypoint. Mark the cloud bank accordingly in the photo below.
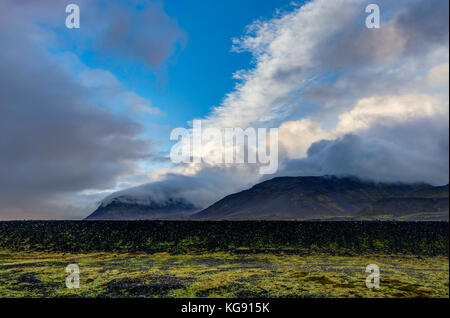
(346, 99)
(65, 129)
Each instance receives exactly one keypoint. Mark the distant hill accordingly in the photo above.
(433, 192)
(124, 208)
(403, 206)
(293, 198)
(420, 204)
(325, 197)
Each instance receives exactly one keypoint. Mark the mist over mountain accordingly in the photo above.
(124, 208)
(307, 198)
(287, 198)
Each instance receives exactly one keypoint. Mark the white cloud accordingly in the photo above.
(319, 73)
(390, 110)
(297, 136)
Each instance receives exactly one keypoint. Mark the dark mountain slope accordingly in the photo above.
(431, 203)
(305, 197)
(403, 206)
(433, 192)
(125, 209)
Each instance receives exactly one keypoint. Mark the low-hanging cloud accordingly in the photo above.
(63, 137)
(347, 99)
(385, 153)
(200, 189)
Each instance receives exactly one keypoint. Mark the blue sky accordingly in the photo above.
(199, 74)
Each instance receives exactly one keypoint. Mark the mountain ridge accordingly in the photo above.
(295, 198)
(306, 198)
(120, 209)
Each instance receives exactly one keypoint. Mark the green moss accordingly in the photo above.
(39, 274)
(379, 245)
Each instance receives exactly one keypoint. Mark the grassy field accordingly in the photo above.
(223, 259)
(107, 274)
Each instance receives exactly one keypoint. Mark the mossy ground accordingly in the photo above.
(34, 274)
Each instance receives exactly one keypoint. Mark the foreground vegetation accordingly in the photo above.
(34, 274)
(223, 259)
(295, 237)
